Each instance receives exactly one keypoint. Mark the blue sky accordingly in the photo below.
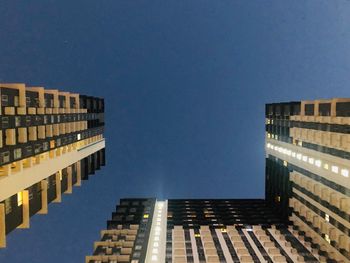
(185, 83)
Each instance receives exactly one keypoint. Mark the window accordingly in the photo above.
(4, 98)
(8, 206)
(326, 217)
(309, 109)
(146, 216)
(318, 163)
(18, 121)
(343, 109)
(335, 169)
(17, 153)
(344, 172)
(19, 198)
(324, 109)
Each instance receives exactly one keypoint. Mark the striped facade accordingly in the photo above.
(49, 142)
(307, 172)
(233, 230)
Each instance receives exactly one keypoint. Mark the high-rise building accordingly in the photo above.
(49, 142)
(305, 216)
(212, 230)
(307, 171)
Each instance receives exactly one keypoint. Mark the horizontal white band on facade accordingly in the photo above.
(21, 180)
(157, 238)
(327, 166)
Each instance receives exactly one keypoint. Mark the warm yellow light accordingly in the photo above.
(19, 198)
(146, 216)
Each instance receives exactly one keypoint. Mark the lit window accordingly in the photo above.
(344, 172)
(326, 217)
(300, 143)
(155, 250)
(289, 152)
(311, 160)
(285, 163)
(293, 154)
(318, 163)
(197, 235)
(79, 136)
(304, 158)
(223, 230)
(335, 169)
(326, 166)
(19, 198)
(146, 216)
(268, 135)
(154, 258)
(299, 156)
(155, 244)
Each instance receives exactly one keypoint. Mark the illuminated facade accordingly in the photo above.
(49, 142)
(212, 230)
(307, 172)
(305, 216)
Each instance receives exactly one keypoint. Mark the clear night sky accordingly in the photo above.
(185, 83)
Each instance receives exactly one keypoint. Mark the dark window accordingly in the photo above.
(309, 109)
(343, 109)
(296, 109)
(324, 109)
(278, 110)
(286, 110)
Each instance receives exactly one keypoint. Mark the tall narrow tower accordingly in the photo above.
(49, 142)
(307, 171)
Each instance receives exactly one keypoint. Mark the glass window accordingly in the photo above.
(324, 109)
(309, 109)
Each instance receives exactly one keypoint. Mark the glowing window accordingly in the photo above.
(326, 217)
(318, 163)
(335, 169)
(19, 198)
(299, 156)
(146, 216)
(311, 160)
(344, 172)
(79, 136)
(304, 158)
(326, 166)
(326, 237)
